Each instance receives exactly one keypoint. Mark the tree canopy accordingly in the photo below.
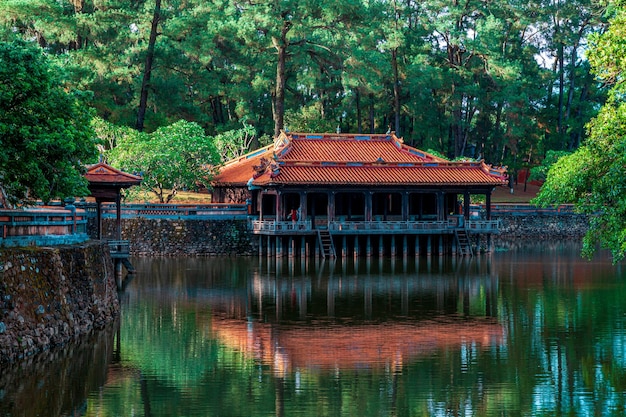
(594, 176)
(495, 80)
(45, 133)
(170, 159)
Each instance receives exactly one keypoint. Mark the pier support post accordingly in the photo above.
(405, 246)
(118, 274)
(279, 247)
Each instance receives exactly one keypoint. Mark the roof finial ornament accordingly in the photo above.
(338, 129)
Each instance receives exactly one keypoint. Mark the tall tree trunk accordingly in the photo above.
(79, 6)
(396, 90)
(279, 91)
(372, 121)
(359, 123)
(147, 72)
(560, 59)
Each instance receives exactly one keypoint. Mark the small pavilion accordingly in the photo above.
(105, 185)
(362, 193)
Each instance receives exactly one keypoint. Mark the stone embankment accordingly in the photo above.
(184, 237)
(543, 226)
(190, 237)
(49, 296)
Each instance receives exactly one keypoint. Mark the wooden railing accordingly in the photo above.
(374, 227)
(42, 226)
(177, 210)
(513, 209)
(119, 248)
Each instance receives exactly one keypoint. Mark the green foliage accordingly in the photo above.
(444, 76)
(540, 172)
(594, 177)
(45, 134)
(172, 158)
(235, 143)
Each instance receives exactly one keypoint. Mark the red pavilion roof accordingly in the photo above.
(106, 175)
(350, 159)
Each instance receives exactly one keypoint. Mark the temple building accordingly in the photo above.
(359, 194)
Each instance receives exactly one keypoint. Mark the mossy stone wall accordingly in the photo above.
(49, 295)
(188, 237)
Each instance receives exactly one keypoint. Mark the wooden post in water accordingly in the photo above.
(417, 246)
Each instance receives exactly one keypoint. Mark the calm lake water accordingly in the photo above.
(528, 331)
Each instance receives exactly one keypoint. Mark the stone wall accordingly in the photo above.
(49, 296)
(188, 237)
(543, 226)
(192, 237)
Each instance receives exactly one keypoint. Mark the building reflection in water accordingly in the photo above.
(360, 314)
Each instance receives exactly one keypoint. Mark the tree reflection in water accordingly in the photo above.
(530, 331)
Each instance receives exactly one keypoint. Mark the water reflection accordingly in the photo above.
(58, 382)
(529, 330)
(360, 319)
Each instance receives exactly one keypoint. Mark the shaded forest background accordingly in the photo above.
(506, 81)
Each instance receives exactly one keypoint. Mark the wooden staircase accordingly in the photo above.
(463, 242)
(326, 243)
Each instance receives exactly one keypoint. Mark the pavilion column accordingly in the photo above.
(488, 204)
(440, 205)
(368, 206)
(405, 206)
(279, 207)
(99, 217)
(331, 206)
(466, 204)
(118, 208)
(303, 206)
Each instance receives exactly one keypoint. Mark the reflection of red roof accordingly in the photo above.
(353, 159)
(349, 347)
(103, 174)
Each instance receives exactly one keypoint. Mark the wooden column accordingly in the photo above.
(440, 205)
(99, 218)
(368, 206)
(405, 206)
(118, 211)
(417, 246)
(303, 206)
(280, 216)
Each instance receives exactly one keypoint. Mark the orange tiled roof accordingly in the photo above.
(349, 159)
